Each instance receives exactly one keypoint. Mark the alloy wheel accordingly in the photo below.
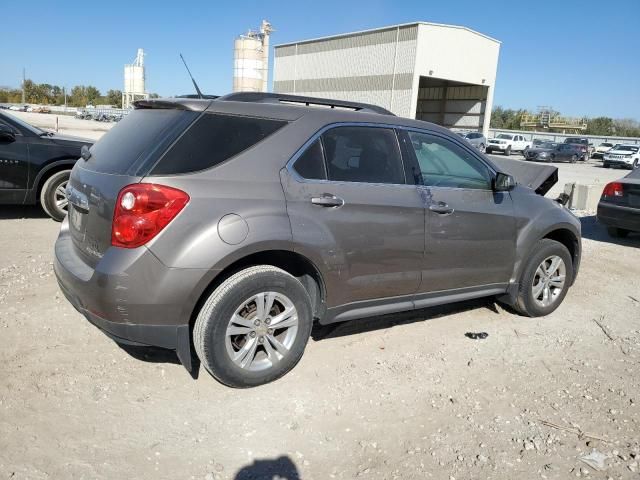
(549, 280)
(262, 331)
(60, 197)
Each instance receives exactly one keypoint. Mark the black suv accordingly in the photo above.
(35, 165)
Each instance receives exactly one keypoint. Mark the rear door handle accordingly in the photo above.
(327, 200)
(441, 208)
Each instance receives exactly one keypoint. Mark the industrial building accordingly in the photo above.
(251, 60)
(134, 81)
(443, 74)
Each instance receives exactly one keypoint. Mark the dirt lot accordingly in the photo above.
(402, 396)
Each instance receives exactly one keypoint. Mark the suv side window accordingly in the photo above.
(213, 139)
(310, 164)
(445, 164)
(363, 154)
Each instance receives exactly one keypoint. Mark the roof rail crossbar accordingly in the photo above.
(261, 97)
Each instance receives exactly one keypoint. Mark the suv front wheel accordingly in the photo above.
(545, 279)
(254, 327)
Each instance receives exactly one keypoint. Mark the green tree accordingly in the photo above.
(114, 97)
(600, 126)
(93, 94)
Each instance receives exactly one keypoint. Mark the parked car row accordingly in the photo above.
(26, 108)
(99, 116)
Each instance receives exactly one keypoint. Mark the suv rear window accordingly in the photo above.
(212, 139)
(137, 140)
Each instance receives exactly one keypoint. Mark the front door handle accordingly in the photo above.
(441, 208)
(327, 200)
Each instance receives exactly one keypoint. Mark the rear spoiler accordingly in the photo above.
(177, 103)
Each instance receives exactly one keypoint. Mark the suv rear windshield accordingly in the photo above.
(137, 140)
(212, 139)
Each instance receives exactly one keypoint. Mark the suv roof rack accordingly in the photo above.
(261, 97)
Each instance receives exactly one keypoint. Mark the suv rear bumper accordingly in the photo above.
(130, 295)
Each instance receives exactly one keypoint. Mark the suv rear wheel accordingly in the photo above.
(53, 196)
(545, 279)
(507, 152)
(254, 327)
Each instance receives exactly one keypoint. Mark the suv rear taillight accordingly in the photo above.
(613, 189)
(142, 211)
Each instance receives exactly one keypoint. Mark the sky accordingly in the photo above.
(580, 57)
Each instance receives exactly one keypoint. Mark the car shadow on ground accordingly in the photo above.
(354, 327)
(593, 230)
(161, 355)
(12, 212)
(281, 468)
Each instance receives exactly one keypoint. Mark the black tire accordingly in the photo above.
(525, 303)
(488, 151)
(209, 334)
(617, 232)
(482, 148)
(574, 158)
(635, 165)
(605, 165)
(507, 152)
(50, 195)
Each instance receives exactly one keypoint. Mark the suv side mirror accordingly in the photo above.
(503, 182)
(6, 133)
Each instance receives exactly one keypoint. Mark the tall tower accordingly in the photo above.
(134, 81)
(251, 60)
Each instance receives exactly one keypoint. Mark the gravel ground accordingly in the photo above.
(402, 396)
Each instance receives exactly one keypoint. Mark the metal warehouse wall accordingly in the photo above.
(374, 67)
(396, 67)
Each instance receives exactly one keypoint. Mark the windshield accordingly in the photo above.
(505, 136)
(576, 140)
(548, 145)
(628, 148)
(22, 124)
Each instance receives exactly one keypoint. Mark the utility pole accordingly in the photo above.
(23, 80)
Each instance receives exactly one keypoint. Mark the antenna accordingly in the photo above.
(192, 79)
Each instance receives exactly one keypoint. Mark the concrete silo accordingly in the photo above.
(134, 81)
(251, 60)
